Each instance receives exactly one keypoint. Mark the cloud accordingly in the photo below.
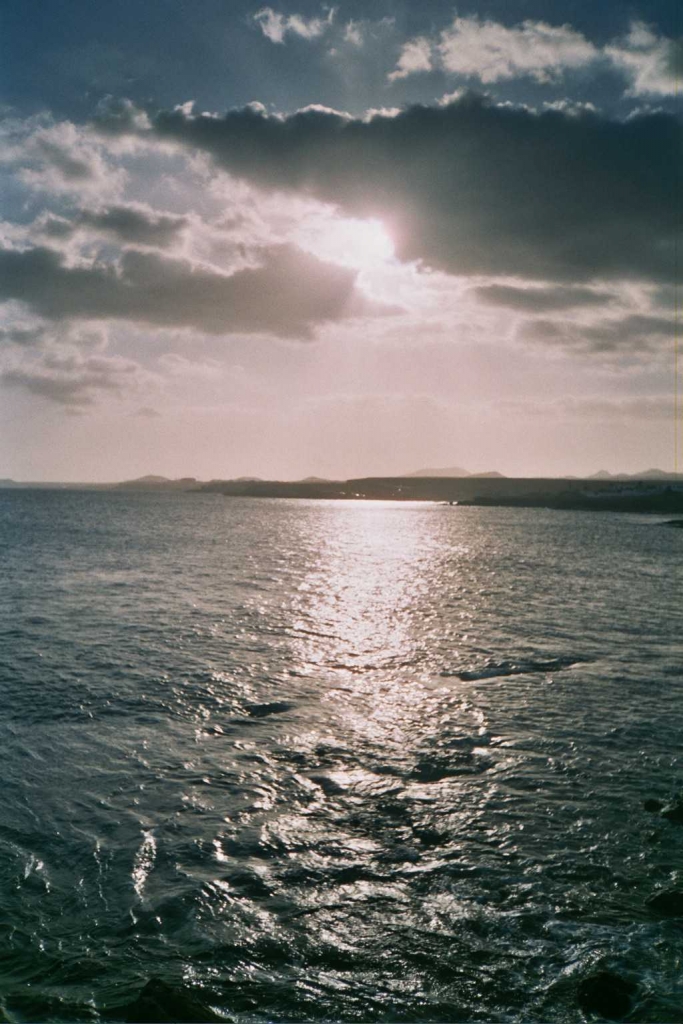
(126, 223)
(72, 381)
(541, 300)
(276, 26)
(288, 295)
(635, 334)
(567, 106)
(415, 56)
(492, 52)
(651, 62)
(24, 336)
(472, 188)
(134, 223)
(68, 368)
(59, 158)
(119, 117)
(353, 33)
(147, 412)
(641, 407)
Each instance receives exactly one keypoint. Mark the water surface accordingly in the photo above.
(335, 761)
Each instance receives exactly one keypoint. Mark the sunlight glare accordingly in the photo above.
(362, 244)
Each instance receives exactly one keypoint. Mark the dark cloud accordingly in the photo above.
(288, 295)
(23, 336)
(635, 331)
(127, 223)
(541, 300)
(56, 228)
(72, 168)
(134, 224)
(71, 380)
(629, 335)
(147, 412)
(470, 187)
(130, 223)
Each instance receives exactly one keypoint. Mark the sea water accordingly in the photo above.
(341, 761)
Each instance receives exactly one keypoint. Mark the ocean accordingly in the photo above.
(269, 760)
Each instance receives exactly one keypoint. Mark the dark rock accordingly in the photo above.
(275, 707)
(674, 812)
(606, 994)
(668, 903)
(328, 785)
(653, 806)
(159, 1003)
(248, 883)
(435, 769)
(430, 837)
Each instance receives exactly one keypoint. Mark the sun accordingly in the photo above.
(363, 244)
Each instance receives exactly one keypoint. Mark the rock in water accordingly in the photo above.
(652, 805)
(606, 994)
(668, 903)
(159, 1003)
(674, 812)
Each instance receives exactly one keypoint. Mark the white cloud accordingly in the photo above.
(574, 108)
(276, 26)
(491, 51)
(353, 33)
(415, 56)
(651, 62)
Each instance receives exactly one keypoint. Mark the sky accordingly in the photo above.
(339, 239)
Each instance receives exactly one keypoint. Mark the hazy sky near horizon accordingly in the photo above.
(344, 239)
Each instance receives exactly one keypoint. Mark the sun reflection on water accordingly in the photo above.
(360, 618)
(357, 600)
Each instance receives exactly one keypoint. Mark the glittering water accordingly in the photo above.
(334, 761)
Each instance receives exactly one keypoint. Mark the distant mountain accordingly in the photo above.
(150, 479)
(646, 474)
(450, 471)
(315, 480)
(492, 475)
(657, 474)
(159, 483)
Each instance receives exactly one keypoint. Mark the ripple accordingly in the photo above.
(238, 780)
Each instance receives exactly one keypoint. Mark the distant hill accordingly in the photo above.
(646, 474)
(315, 480)
(450, 471)
(656, 474)
(159, 483)
(453, 471)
